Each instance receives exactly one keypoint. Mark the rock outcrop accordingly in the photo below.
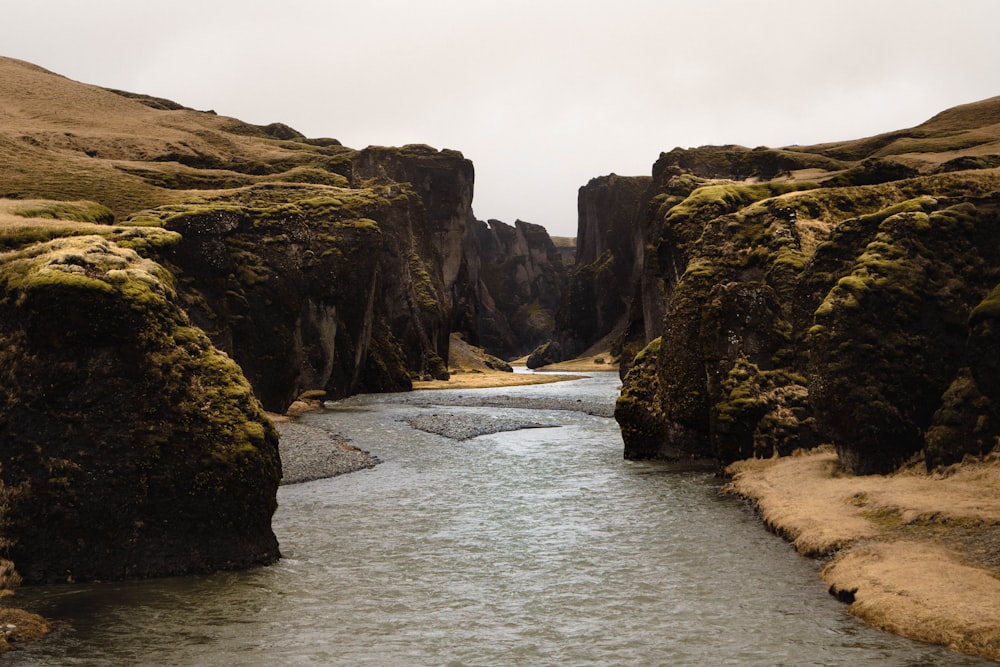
(320, 287)
(510, 284)
(837, 293)
(131, 442)
(131, 446)
(598, 308)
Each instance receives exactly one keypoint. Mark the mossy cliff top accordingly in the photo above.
(961, 138)
(131, 447)
(25, 222)
(837, 309)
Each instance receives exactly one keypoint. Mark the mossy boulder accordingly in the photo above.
(543, 355)
(130, 446)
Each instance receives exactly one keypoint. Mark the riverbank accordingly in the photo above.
(309, 452)
(491, 380)
(913, 553)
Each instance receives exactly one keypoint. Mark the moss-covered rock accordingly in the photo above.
(889, 337)
(796, 313)
(314, 287)
(130, 446)
(968, 420)
(543, 355)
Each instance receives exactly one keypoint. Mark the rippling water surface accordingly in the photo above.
(532, 547)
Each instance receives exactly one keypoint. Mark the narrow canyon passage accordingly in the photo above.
(538, 546)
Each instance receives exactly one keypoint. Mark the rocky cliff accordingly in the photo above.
(317, 287)
(510, 284)
(193, 267)
(315, 266)
(130, 445)
(604, 300)
(839, 293)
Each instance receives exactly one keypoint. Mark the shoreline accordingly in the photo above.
(491, 380)
(913, 553)
(309, 452)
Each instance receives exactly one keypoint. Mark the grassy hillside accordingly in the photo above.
(64, 140)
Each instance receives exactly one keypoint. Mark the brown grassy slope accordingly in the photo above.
(60, 139)
(915, 553)
(962, 131)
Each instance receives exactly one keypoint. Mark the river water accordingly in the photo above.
(532, 547)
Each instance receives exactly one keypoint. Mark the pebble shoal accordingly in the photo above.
(310, 452)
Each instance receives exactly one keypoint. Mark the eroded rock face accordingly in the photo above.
(319, 287)
(509, 287)
(795, 315)
(131, 446)
(288, 281)
(612, 217)
(890, 337)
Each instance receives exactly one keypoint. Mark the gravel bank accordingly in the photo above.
(311, 452)
(464, 427)
(597, 408)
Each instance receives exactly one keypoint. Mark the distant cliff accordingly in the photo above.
(839, 293)
(608, 270)
(511, 282)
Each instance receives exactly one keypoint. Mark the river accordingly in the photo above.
(532, 547)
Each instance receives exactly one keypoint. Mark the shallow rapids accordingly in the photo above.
(531, 547)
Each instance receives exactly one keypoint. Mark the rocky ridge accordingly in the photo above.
(165, 273)
(839, 293)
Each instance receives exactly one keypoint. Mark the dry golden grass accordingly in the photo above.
(64, 140)
(492, 379)
(923, 591)
(21, 626)
(919, 552)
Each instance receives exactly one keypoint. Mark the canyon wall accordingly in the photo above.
(167, 273)
(843, 293)
(511, 282)
(599, 309)
(130, 445)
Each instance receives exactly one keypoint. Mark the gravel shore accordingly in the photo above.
(597, 408)
(464, 427)
(311, 452)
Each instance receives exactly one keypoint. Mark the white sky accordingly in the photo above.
(542, 95)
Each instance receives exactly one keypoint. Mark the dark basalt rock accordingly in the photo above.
(608, 270)
(511, 282)
(131, 446)
(317, 287)
(797, 314)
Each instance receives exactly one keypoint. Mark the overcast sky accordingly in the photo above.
(542, 95)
